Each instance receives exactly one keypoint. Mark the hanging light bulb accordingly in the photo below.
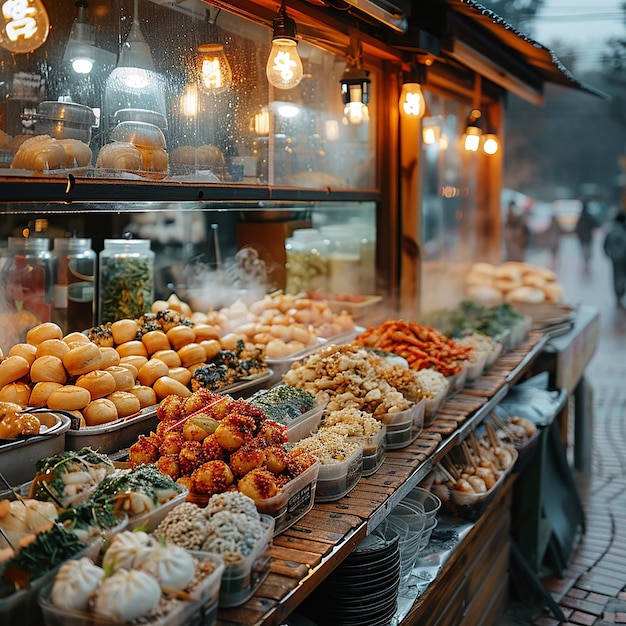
(431, 129)
(473, 131)
(355, 91)
(24, 25)
(214, 68)
(491, 145)
(80, 50)
(284, 67)
(412, 101)
(189, 100)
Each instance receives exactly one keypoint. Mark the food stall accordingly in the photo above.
(237, 144)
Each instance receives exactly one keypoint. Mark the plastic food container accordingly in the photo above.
(240, 580)
(281, 366)
(432, 406)
(457, 381)
(294, 500)
(304, 425)
(374, 450)
(475, 368)
(200, 611)
(150, 520)
(113, 436)
(18, 457)
(494, 355)
(404, 427)
(335, 480)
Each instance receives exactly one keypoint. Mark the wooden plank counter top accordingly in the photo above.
(307, 552)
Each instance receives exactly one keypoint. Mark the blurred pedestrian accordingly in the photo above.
(615, 249)
(553, 239)
(515, 233)
(585, 226)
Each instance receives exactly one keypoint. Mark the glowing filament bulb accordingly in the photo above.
(284, 67)
(412, 102)
(215, 73)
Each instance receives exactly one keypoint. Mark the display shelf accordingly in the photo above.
(305, 554)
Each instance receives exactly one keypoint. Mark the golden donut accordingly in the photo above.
(169, 357)
(76, 337)
(152, 370)
(125, 402)
(123, 377)
(13, 368)
(181, 374)
(124, 330)
(69, 397)
(166, 385)
(110, 356)
(98, 383)
(180, 335)
(135, 360)
(41, 391)
(145, 395)
(211, 348)
(53, 347)
(41, 332)
(191, 353)
(18, 393)
(100, 411)
(155, 340)
(25, 350)
(205, 331)
(48, 368)
(132, 348)
(82, 358)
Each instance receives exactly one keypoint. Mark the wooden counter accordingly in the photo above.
(306, 553)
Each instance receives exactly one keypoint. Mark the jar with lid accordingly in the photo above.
(306, 268)
(125, 279)
(28, 279)
(344, 259)
(74, 302)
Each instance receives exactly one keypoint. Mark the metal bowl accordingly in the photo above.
(64, 120)
(139, 133)
(140, 115)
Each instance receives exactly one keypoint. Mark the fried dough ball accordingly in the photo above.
(212, 449)
(276, 459)
(191, 456)
(185, 481)
(173, 442)
(144, 450)
(193, 432)
(298, 462)
(272, 432)
(212, 477)
(165, 427)
(234, 430)
(250, 456)
(168, 464)
(199, 399)
(258, 484)
(171, 408)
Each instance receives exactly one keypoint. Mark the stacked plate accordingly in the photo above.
(363, 590)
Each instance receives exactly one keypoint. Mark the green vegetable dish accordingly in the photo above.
(283, 403)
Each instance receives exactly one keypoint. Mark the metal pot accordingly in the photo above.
(64, 120)
(140, 115)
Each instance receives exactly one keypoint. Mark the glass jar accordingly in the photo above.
(125, 279)
(28, 278)
(344, 259)
(74, 302)
(306, 264)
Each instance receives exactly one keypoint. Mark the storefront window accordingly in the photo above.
(202, 91)
(449, 179)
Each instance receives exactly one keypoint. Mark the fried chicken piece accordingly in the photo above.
(272, 432)
(171, 408)
(190, 457)
(168, 464)
(276, 459)
(259, 484)
(212, 477)
(144, 450)
(172, 443)
(212, 449)
(234, 430)
(248, 457)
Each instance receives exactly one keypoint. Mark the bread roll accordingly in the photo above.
(155, 340)
(525, 294)
(41, 391)
(125, 402)
(40, 152)
(532, 279)
(135, 360)
(152, 370)
(41, 332)
(48, 368)
(146, 395)
(208, 156)
(98, 383)
(166, 385)
(53, 347)
(205, 332)
(132, 348)
(211, 348)
(12, 369)
(25, 350)
(181, 374)
(77, 153)
(110, 356)
(169, 357)
(184, 155)
(485, 294)
(69, 398)
(82, 358)
(123, 378)
(191, 353)
(119, 155)
(18, 393)
(100, 411)
(180, 336)
(124, 330)
(153, 159)
(507, 284)
(553, 292)
(76, 337)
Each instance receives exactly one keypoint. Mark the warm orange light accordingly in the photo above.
(25, 25)
(215, 73)
(491, 145)
(412, 103)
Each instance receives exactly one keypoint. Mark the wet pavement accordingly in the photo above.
(592, 591)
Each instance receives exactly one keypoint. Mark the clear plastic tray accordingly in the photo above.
(432, 405)
(374, 450)
(113, 436)
(240, 580)
(494, 355)
(150, 520)
(281, 366)
(335, 480)
(200, 611)
(404, 427)
(457, 381)
(18, 457)
(294, 500)
(475, 368)
(304, 425)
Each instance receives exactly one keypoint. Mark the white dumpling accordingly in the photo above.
(74, 583)
(127, 595)
(124, 549)
(172, 565)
